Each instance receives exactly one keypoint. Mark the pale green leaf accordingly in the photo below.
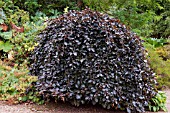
(154, 108)
(159, 6)
(66, 9)
(1, 21)
(6, 35)
(150, 107)
(1, 45)
(2, 14)
(7, 46)
(164, 109)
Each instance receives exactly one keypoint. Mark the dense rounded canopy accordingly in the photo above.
(87, 57)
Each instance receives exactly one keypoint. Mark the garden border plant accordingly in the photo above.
(157, 103)
(86, 57)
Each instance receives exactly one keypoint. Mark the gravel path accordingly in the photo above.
(61, 108)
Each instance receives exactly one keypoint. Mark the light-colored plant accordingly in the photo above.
(157, 103)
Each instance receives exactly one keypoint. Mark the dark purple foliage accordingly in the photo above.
(87, 57)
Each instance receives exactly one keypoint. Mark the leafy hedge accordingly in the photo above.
(160, 63)
(86, 57)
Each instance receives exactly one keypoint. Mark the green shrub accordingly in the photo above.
(32, 6)
(5, 44)
(160, 66)
(156, 42)
(87, 57)
(130, 16)
(16, 85)
(145, 17)
(102, 5)
(157, 103)
(24, 42)
(164, 52)
(20, 43)
(13, 81)
(15, 48)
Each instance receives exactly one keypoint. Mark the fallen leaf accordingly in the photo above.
(4, 27)
(16, 28)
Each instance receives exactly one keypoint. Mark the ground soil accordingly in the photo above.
(62, 108)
